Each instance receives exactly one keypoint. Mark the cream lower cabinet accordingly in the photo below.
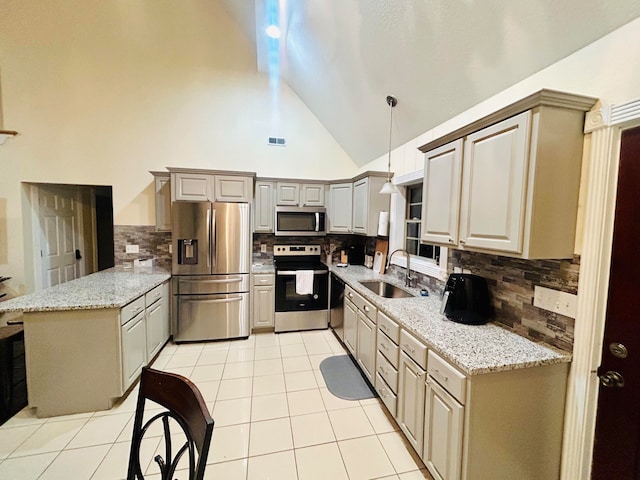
(263, 300)
(366, 346)
(350, 326)
(443, 419)
(157, 320)
(387, 360)
(411, 389)
(134, 348)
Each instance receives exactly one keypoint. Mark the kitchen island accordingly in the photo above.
(474, 401)
(86, 340)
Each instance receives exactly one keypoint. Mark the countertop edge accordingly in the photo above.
(556, 356)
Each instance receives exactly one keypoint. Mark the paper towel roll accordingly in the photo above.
(383, 224)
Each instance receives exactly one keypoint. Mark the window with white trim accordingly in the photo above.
(412, 225)
(434, 262)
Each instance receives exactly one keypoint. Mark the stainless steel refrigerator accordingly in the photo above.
(211, 265)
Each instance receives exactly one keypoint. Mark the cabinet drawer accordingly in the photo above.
(263, 279)
(389, 349)
(131, 310)
(389, 399)
(388, 372)
(363, 305)
(153, 295)
(414, 348)
(451, 379)
(389, 327)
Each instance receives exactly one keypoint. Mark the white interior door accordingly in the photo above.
(59, 234)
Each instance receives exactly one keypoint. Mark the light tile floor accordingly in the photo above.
(274, 419)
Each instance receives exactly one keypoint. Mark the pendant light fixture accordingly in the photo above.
(388, 187)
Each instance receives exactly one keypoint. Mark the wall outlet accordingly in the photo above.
(171, 248)
(263, 248)
(555, 301)
(132, 249)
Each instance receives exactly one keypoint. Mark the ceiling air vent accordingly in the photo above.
(277, 142)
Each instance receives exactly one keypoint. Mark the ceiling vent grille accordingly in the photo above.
(277, 142)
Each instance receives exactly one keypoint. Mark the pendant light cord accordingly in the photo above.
(392, 101)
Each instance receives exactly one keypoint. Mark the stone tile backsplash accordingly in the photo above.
(511, 286)
(511, 281)
(152, 244)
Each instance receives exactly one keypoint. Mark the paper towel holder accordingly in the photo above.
(383, 224)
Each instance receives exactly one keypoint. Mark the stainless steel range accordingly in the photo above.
(302, 288)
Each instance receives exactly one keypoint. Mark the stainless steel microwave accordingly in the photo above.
(298, 221)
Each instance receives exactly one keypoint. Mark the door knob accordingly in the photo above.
(612, 380)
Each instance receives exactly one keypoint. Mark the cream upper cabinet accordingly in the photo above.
(263, 207)
(313, 195)
(162, 184)
(300, 194)
(520, 180)
(495, 185)
(232, 188)
(195, 187)
(287, 193)
(340, 206)
(367, 205)
(441, 187)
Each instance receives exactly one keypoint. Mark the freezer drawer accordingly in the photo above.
(212, 284)
(212, 317)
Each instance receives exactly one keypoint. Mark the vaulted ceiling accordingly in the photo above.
(438, 57)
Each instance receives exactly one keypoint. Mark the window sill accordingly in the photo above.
(424, 266)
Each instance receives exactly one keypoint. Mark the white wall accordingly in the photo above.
(608, 69)
(102, 91)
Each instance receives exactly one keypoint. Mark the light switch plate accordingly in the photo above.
(263, 248)
(132, 249)
(555, 301)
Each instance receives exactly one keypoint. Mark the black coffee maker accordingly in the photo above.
(466, 299)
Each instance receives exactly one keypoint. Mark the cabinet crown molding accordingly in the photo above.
(544, 97)
(204, 171)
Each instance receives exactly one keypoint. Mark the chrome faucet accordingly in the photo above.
(408, 279)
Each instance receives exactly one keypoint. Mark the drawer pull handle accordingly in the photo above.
(384, 327)
(409, 348)
(350, 295)
(437, 373)
(384, 347)
(383, 370)
(365, 308)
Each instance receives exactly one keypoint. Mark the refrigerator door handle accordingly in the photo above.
(213, 240)
(226, 280)
(218, 300)
(209, 236)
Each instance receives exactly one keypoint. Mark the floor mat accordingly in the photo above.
(344, 379)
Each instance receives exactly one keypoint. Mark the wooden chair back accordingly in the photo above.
(185, 406)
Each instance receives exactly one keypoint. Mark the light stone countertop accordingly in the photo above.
(263, 268)
(474, 349)
(112, 288)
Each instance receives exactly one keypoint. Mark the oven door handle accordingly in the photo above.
(293, 272)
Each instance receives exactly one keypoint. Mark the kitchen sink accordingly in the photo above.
(385, 289)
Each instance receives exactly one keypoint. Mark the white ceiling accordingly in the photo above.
(438, 57)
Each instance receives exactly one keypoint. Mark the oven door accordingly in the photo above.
(287, 300)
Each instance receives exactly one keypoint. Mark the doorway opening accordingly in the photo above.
(68, 232)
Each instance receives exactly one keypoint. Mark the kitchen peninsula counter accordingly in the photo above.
(474, 349)
(87, 340)
(113, 288)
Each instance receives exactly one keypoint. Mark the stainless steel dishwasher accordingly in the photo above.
(336, 311)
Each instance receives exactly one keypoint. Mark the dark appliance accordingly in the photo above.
(466, 299)
(301, 221)
(356, 254)
(13, 381)
(211, 264)
(336, 311)
(304, 311)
